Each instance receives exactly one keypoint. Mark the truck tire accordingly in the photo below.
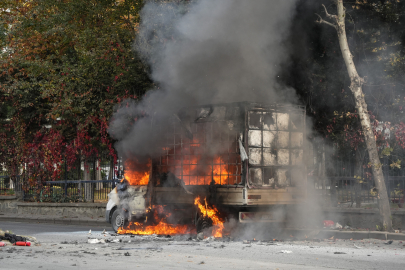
(203, 224)
(117, 220)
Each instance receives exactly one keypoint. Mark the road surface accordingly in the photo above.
(66, 247)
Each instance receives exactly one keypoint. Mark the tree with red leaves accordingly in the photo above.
(65, 65)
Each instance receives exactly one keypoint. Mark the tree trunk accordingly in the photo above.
(356, 83)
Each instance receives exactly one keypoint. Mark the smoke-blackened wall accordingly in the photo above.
(199, 53)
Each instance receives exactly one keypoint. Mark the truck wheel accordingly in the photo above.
(117, 220)
(203, 223)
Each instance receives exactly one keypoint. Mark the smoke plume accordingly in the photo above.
(203, 52)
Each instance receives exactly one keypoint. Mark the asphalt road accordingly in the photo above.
(67, 247)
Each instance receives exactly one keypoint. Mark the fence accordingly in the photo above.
(61, 191)
(71, 191)
(5, 187)
(99, 175)
(347, 177)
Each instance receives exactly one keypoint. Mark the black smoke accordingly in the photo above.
(203, 52)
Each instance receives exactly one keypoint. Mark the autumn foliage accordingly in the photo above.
(65, 66)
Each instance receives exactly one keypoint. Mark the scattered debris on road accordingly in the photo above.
(338, 226)
(13, 239)
(95, 241)
(328, 223)
(22, 244)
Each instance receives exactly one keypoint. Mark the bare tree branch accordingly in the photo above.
(320, 20)
(329, 15)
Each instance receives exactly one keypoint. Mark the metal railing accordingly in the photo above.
(71, 191)
(9, 185)
(66, 188)
(346, 177)
(60, 191)
(6, 186)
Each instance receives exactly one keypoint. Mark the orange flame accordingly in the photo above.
(162, 228)
(195, 175)
(137, 173)
(195, 168)
(211, 213)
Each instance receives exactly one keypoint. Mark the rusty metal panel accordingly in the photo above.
(255, 156)
(269, 158)
(282, 178)
(230, 196)
(297, 139)
(261, 217)
(255, 138)
(269, 120)
(283, 157)
(288, 195)
(268, 138)
(283, 138)
(254, 120)
(171, 195)
(218, 113)
(282, 121)
(255, 176)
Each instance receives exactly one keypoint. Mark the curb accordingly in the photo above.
(352, 235)
(357, 235)
(288, 234)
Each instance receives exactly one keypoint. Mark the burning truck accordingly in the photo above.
(219, 162)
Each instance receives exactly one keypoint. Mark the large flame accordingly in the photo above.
(196, 174)
(197, 169)
(211, 213)
(162, 228)
(137, 173)
(193, 168)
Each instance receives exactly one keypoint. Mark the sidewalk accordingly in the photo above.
(54, 219)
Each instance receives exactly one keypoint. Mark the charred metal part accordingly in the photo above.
(242, 150)
(186, 127)
(170, 180)
(204, 113)
(123, 185)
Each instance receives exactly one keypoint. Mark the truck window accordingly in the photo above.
(275, 142)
